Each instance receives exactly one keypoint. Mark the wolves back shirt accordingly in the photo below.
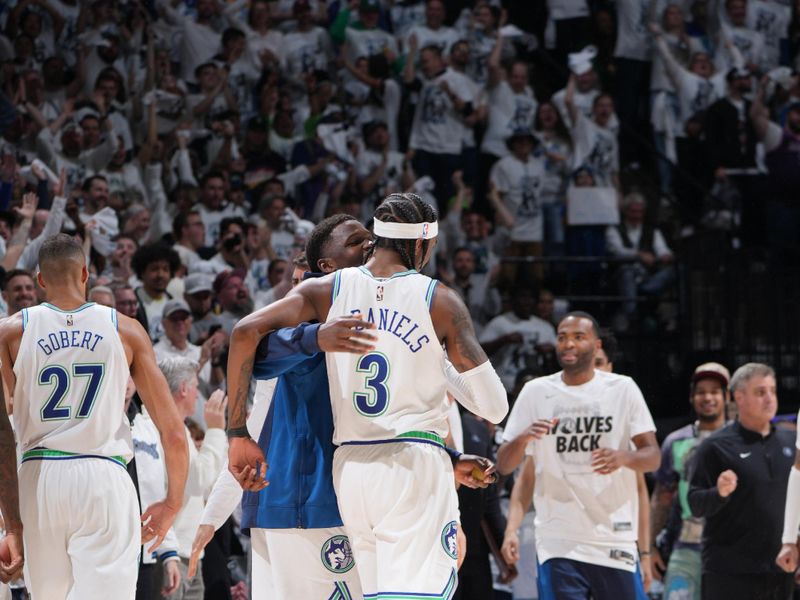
(582, 515)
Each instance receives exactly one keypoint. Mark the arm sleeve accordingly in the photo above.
(282, 350)
(168, 550)
(640, 419)
(225, 496)
(479, 390)
(704, 499)
(614, 244)
(339, 25)
(206, 465)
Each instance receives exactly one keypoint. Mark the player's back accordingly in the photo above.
(399, 387)
(71, 374)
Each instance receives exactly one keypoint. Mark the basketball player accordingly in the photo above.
(68, 363)
(392, 478)
(577, 425)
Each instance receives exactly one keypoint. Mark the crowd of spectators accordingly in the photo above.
(193, 144)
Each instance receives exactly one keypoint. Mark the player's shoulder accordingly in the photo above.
(545, 385)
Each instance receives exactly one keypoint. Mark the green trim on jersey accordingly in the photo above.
(422, 435)
(68, 312)
(366, 271)
(44, 453)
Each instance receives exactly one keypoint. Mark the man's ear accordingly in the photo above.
(326, 265)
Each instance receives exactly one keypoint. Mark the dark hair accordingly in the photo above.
(180, 221)
(57, 249)
(87, 183)
(211, 175)
(432, 48)
(609, 343)
(225, 224)
(152, 253)
(231, 34)
(320, 236)
(17, 273)
(404, 208)
(273, 264)
(579, 314)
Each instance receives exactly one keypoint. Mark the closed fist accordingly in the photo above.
(726, 483)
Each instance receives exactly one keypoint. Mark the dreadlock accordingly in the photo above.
(404, 208)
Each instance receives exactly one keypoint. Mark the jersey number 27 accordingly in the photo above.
(61, 377)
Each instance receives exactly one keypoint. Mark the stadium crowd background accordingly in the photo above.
(192, 146)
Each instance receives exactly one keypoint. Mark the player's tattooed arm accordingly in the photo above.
(454, 326)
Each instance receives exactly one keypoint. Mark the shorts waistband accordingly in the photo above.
(419, 437)
(46, 454)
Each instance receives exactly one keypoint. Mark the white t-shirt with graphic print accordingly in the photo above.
(582, 515)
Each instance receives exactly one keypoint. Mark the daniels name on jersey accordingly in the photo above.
(400, 386)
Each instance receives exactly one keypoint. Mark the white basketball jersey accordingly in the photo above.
(399, 387)
(71, 373)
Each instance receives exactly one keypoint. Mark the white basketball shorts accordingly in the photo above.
(81, 528)
(399, 506)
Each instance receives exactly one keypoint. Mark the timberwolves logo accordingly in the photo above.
(449, 542)
(336, 554)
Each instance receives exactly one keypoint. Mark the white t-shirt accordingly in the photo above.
(696, 94)
(681, 51)
(582, 515)
(443, 38)
(437, 126)
(633, 38)
(305, 51)
(212, 219)
(771, 20)
(508, 111)
(367, 42)
(750, 44)
(405, 15)
(510, 359)
(567, 9)
(595, 147)
(390, 182)
(520, 184)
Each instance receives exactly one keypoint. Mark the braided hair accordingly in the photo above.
(404, 208)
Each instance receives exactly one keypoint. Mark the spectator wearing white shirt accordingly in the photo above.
(437, 136)
(652, 271)
(434, 32)
(518, 180)
(155, 265)
(189, 233)
(517, 340)
(213, 207)
(204, 464)
(380, 171)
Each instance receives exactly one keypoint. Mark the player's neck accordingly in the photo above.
(385, 263)
(66, 299)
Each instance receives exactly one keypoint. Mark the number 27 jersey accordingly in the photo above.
(72, 372)
(400, 386)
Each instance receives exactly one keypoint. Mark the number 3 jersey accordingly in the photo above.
(72, 372)
(398, 388)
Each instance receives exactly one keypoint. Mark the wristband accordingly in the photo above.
(238, 432)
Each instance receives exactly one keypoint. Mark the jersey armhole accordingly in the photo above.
(24, 318)
(430, 293)
(337, 281)
(114, 318)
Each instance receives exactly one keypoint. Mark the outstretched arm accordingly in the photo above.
(154, 392)
(471, 377)
(245, 459)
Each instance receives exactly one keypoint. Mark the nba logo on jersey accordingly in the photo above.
(69, 321)
(449, 541)
(379, 293)
(336, 554)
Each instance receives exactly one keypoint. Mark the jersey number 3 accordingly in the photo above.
(374, 400)
(58, 375)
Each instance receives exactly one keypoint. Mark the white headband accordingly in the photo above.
(406, 231)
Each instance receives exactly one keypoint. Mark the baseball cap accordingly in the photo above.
(737, 73)
(712, 370)
(173, 306)
(198, 282)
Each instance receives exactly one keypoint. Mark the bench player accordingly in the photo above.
(392, 477)
(68, 362)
